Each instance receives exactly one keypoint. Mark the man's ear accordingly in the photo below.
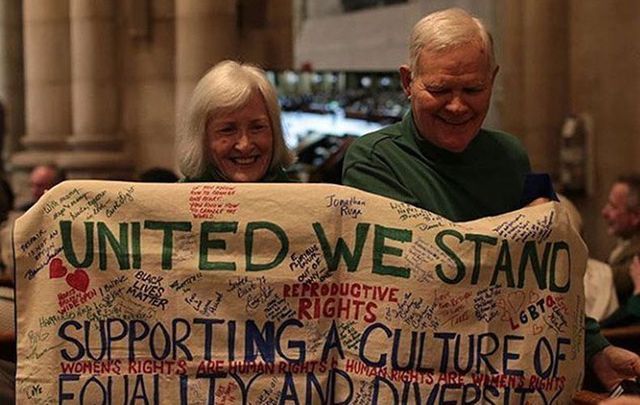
(405, 79)
(495, 73)
(635, 218)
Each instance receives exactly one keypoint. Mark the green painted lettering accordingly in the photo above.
(252, 227)
(477, 256)
(380, 249)
(530, 255)
(205, 244)
(557, 248)
(342, 250)
(136, 255)
(67, 244)
(167, 240)
(120, 246)
(460, 269)
(503, 265)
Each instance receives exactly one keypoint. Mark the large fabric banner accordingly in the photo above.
(132, 293)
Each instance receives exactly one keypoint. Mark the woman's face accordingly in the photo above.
(241, 142)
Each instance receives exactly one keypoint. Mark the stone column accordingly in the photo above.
(11, 75)
(537, 86)
(206, 33)
(96, 147)
(266, 33)
(47, 76)
(47, 89)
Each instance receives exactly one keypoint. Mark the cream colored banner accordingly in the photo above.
(132, 293)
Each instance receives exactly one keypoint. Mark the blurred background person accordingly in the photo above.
(7, 199)
(599, 291)
(158, 175)
(7, 308)
(629, 313)
(232, 130)
(6, 206)
(41, 179)
(622, 215)
(7, 382)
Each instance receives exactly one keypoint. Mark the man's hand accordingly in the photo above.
(538, 201)
(623, 400)
(613, 364)
(634, 273)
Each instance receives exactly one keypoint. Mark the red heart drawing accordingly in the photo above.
(537, 329)
(56, 269)
(78, 280)
(533, 297)
(516, 300)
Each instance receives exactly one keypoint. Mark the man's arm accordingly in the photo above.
(594, 341)
(630, 312)
(613, 364)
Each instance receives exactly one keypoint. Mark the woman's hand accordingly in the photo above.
(538, 201)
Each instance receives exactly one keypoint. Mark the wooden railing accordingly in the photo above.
(627, 337)
(588, 398)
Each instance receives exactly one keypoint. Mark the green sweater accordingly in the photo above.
(627, 314)
(485, 179)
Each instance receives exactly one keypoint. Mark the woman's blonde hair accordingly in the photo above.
(226, 87)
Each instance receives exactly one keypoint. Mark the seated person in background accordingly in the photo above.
(6, 206)
(232, 130)
(622, 214)
(7, 382)
(158, 175)
(438, 158)
(7, 310)
(41, 179)
(7, 319)
(600, 299)
(7, 198)
(629, 313)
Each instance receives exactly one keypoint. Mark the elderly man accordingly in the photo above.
(438, 158)
(622, 214)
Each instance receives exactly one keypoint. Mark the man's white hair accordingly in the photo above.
(448, 29)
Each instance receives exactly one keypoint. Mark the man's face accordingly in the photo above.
(621, 221)
(450, 94)
(42, 179)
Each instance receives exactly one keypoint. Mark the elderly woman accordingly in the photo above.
(232, 130)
